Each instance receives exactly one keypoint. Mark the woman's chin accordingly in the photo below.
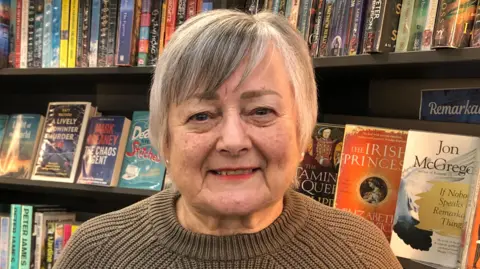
(238, 203)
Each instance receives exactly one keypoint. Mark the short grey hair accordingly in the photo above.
(208, 48)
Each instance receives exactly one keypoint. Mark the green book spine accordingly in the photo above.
(405, 25)
(25, 237)
(14, 244)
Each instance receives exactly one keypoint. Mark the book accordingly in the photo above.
(62, 141)
(337, 36)
(475, 39)
(14, 242)
(317, 173)
(381, 25)
(3, 126)
(128, 30)
(19, 147)
(104, 150)
(436, 179)
(142, 167)
(405, 26)
(450, 105)
(4, 239)
(370, 172)
(453, 24)
(4, 32)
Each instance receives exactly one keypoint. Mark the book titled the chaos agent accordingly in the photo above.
(104, 150)
(370, 172)
(451, 105)
(142, 167)
(19, 147)
(317, 173)
(438, 172)
(62, 142)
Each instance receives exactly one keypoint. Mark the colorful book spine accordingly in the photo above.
(155, 22)
(438, 173)
(39, 22)
(182, 12)
(50, 245)
(475, 41)
(323, 49)
(32, 6)
(355, 38)
(129, 18)
(26, 237)
(317, 173)
(47, 34)
(62, 141)
(104, 150)
(56, 30)
(294, 10)
(12, 33)
(370, 172)
(94, 33)
(191, 8)
(336, 37)
(405, 26)
(24, 35)
(64, 36)
(14, 243)
(381, 26)
(163, 26)
(112, 33)
(58, 241)
(79, 51)
(420, 13)
(171, 19)
(143, 42)
(303, 17)
(3, 126)
(317, 28)
(454, 23)
(103, 33)
(86, 25)
(72, 34)
(142, 167)
(18, 33)
(4, 240)
(427, 35)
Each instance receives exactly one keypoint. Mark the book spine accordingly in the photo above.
(47, 34)
(39, 18)
(143, 42)
(391, 16)
(125, 29)
(12, 33)
(5, 237)
(454, 23)
(181, 12)
(326, 29)
(163, 26)
(67, 232)
(14, 243)
(86, 27)
(72, 35)
(18, 32)
(371, 24)
(171, 19)
(349, 20)
(56, 19)
(155, 21)
(405, 25)
(32, 6)
(355, 40)
(475, 41)
(38, 243)
(81, 7)
(336, 36)
(294, 9)
(191, 8)
(317, 29)
(24, 35)
(112, 33)
(427, 36)
(25, 237)
(311, 17)
(64, 33)
(304, 18)
(50, 245)
(58, 245)
(103, 38)
(94, 33)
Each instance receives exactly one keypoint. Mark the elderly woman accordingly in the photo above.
(233, 106)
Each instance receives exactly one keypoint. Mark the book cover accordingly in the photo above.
(451, 105)
(370, 172)
(3, 126)
(317, 173)
(19, 147)
(104, 150)
(454, 23)
(4, 32)
(62, 141)
(142, 167)
(437, 174)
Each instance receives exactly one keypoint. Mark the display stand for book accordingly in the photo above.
(381, 90)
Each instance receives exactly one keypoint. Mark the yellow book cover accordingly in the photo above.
(64, 33)
(72, 37)
(162, 26)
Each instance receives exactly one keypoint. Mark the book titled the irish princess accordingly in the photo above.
(453, 105)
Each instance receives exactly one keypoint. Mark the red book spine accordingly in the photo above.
(67, 232)
(191, 8)
(171, 19)
(18, 34)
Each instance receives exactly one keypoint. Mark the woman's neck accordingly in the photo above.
(198, 222)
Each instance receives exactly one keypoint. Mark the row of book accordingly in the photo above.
(420, 188)
(89, 33)
(74, 143)
(351, 27)
(33, 236)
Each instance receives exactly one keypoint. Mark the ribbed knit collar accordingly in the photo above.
(174, 237)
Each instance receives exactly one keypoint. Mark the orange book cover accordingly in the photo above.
(473, 254)
(370, 173)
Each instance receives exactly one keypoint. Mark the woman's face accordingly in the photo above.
(236, 152)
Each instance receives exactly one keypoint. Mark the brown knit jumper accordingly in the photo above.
(306, 235)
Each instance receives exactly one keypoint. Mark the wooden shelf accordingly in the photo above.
(81, 197)
(87, 71)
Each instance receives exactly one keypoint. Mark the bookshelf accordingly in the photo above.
(381, 90)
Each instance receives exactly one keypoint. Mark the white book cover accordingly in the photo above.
(62, 142)
(436, 180)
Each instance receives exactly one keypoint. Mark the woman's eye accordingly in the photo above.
(200, 117)
(262, 111)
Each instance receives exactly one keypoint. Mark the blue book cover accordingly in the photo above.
(451, 105)
(142, 167)
(20, 145)
(3, 126)
(104, 150)
(4, 32)
(56, 18)
(62, 141)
